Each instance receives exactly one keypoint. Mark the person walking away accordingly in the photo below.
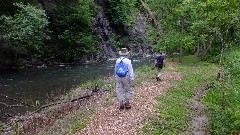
(124, 76)
(159, 62)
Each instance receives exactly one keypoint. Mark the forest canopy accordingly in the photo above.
(64, 31)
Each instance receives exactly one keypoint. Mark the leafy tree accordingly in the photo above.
(211, 23)
(25, 31)
(120, 11)
(174, 19)
(72, 29)
(215, 22)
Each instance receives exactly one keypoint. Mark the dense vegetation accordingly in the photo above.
(175, 108)
(211, 30)
(223, 100)
(60, 31)
(202, 26)
(64, 32)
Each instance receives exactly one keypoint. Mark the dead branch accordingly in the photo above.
(7, 97)
(10, 105)
(70, 101)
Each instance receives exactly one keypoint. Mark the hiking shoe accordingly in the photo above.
(158, 79)
(121, 107)
(127, 105)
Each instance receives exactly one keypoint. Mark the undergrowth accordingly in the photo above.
(173, 114)
(223, 100)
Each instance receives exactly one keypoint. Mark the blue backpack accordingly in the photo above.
(121, 70)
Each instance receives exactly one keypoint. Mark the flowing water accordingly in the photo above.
(29, 85)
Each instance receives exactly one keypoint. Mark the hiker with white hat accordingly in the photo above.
(124, 76)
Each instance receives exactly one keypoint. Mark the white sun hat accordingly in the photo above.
(124, 51)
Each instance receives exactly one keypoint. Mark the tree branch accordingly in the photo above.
(11, 105)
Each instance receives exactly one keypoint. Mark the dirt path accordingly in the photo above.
(109, 120)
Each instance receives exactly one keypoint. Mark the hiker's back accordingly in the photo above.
(122, 67)
(128, 63)
(160, 60)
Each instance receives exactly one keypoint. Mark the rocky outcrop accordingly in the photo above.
(139, 42)
(103, 29)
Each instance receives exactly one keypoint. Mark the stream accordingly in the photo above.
(30, 85)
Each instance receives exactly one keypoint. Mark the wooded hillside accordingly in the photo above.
(55, 31)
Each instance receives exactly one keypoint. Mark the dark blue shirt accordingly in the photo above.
(160, 59)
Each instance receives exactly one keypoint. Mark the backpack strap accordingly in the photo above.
(125, 63)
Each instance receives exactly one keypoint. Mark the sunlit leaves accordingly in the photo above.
(215, 16)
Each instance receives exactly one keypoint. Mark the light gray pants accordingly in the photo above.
(159, 73)
(123, 88)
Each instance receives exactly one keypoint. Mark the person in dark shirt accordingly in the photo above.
(159, 62)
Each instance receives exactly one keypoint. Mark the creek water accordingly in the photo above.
(30, 85)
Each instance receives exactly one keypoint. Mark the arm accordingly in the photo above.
(115, 68)
(130, 70)
(164, 61)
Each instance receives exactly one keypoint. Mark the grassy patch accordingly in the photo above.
(144, 73)
(173, 114)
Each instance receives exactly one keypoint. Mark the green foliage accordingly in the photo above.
(217, 20)
(231, 62)
(37, 104)
(172, 40)
(164, 11)
(170, 13)
(79, 124)
(72, 29)
(173, 114)
(223, 100)
(100, 83)
(26, 26)
(16, 127)
(120, 15)
(1, 128)
(26, 30)
(120, 11)
(7, 7)
(207, 23)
